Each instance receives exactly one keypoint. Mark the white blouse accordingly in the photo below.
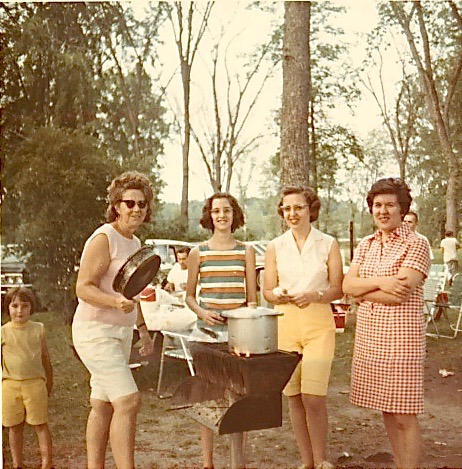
(306, 270)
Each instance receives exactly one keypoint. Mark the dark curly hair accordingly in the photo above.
(124, 182)
(24, 294)
(310, 196)
(391, 186)
(238, 215)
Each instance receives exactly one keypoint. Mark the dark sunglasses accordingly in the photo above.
(131, 203)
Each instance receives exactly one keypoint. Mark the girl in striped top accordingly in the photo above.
(225, 271)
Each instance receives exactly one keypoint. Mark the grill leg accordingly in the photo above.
(237, 450)
(161, 365)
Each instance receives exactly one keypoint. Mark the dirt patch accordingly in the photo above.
(167, 439)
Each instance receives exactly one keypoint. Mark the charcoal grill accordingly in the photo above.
(231, 394)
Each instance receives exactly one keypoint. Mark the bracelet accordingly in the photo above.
(141, 325)
(252, 303)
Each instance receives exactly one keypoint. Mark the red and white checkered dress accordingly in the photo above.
(389, 352)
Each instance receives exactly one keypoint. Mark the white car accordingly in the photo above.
(260, 251)
(166, 249)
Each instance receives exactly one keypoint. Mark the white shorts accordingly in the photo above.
(105, 350)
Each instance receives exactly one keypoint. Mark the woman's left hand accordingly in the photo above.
(147, 345)
(302, 300)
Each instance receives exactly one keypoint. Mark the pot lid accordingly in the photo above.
(250, 313)
(137, 272)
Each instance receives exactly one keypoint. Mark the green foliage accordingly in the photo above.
(78, 108)
(58, 178)
(433, 27)
(82, 65)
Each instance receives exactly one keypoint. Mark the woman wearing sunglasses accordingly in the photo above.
(103, 323)
(303, 274)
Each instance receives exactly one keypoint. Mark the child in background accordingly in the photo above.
(27, 376)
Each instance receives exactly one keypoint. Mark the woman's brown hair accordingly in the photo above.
(310, 196)
(394, 186)
(124, 182)
(238, 215)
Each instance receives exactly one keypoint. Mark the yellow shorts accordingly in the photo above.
(105, 351)
(25, 400)
(311, 332)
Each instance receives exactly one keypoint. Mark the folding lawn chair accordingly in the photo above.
(433, 287)
(454, 303)
(437, 269)
(175, 345)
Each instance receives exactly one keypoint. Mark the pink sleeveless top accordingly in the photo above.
(120, 248)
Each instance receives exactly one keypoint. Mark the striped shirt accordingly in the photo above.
(222, 277)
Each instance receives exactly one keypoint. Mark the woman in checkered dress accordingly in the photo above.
(386, 278)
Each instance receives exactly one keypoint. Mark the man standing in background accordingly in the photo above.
(178, 276)
(450, 245)
(412, 220)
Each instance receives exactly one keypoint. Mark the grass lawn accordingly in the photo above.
(166, 439)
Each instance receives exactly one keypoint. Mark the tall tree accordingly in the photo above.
(224, 143)
(401, 121)
(57, 181)
(333, 80)
(74, 114)
(437, 84)
(131, 115)
(187, 39)
(79, 65)
(295, 153)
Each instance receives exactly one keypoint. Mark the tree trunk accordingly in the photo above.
(295, 153)
(434, 101)
(184, 209)
(187, 46)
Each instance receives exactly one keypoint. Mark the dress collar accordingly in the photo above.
(313, 236)
(403, 231)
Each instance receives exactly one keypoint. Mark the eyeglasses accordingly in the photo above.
(131, 203)
(295, 208)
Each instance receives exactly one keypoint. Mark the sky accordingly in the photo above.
(247, 29)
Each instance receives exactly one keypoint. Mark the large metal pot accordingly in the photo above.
(252, 331)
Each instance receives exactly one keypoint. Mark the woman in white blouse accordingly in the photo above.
(303, 274)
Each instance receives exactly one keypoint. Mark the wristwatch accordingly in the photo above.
(320, 295)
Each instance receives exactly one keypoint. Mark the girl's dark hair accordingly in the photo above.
(310, 196)
(391, 186)
(124, 182)
(24, 294)
(238, 214)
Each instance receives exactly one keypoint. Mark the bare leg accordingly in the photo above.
(98, 425)
(45, 445)
(16, 437)
(404, 434)
(207, 446)
(316, 421)
(122, 432)
(299, 426)
(393, 437)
